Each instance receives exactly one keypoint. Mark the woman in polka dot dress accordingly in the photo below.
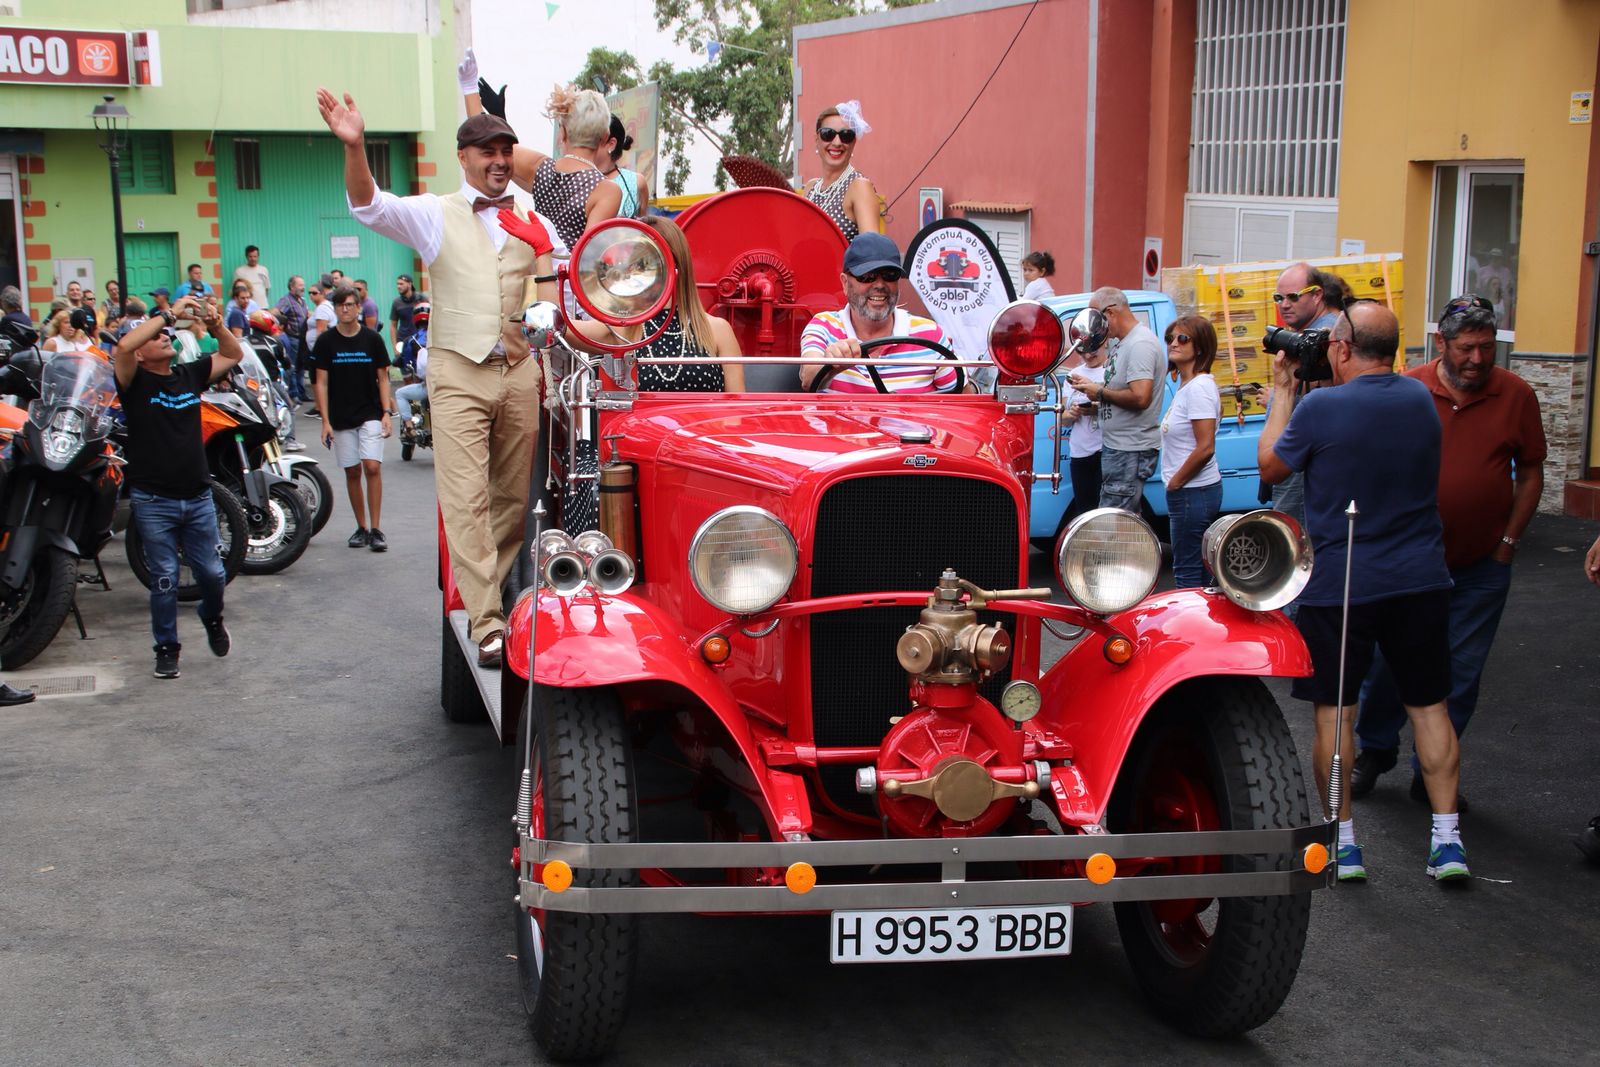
(843, 192)
(570, 190)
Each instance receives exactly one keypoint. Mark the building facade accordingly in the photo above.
(1470, 146)
(225, 148)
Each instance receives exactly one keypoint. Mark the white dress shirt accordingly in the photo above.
(418, 221)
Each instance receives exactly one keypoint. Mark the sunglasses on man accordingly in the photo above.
(1463, 304)
(828, 133)
(883, 274)
(1294, 298)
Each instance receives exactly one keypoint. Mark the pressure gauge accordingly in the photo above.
(1020, 701)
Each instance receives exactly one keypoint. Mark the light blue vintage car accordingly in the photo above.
(1236, 444)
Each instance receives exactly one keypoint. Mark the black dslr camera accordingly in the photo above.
(1309, 349)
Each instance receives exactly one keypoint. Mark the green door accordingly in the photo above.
(152, 261)
(294, 209)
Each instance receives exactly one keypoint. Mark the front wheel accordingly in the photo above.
(1215, 755)
(318, 493)
(576, 970)
(279, 532)
(31, 616)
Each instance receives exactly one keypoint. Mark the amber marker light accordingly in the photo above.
(1119, 650)
(1100, 868)
(1316, 857)
(716, 649)
(557, 876)
(801, 877)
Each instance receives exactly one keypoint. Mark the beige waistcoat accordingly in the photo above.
(477, 292)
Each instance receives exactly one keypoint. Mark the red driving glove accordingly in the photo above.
(528, 229)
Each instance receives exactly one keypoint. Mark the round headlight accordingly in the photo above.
(742, 560)
(623, 272)
(1108, 560)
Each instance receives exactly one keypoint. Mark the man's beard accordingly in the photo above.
(1452, 379)
(860, 309)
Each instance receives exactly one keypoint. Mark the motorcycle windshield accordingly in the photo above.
(78, 380)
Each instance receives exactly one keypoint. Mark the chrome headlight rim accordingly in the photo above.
(1088, 598)
(705, 529)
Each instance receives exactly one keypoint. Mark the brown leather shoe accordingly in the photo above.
(490, 647)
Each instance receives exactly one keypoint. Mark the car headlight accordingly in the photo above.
(1108, 560)
(743, 559)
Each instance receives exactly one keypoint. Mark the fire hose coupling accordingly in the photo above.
(948, 643)
(567, 564)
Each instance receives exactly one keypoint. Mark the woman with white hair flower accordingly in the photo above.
(843, 192)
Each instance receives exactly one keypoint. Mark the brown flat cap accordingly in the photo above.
(483, 128)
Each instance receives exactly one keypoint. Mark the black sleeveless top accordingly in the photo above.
(676, 377)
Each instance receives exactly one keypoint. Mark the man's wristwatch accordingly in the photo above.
(1504, 540)
(167, 317)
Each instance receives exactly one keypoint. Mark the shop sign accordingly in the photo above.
(64, 57)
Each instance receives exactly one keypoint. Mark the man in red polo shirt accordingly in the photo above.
(1491, 473)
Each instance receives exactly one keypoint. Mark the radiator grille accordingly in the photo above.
(884, 534)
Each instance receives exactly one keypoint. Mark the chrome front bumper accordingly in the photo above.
(1280, 857)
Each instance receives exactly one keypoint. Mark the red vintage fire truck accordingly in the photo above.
(807, 617)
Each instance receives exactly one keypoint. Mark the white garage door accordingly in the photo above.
(1010, 236)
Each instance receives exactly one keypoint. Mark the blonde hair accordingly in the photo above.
(583, 114)
(691, 313)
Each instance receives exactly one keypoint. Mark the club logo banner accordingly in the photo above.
(956, 270)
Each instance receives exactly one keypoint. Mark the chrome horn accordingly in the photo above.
(1260, 559)
(562, 567)
(610, 569)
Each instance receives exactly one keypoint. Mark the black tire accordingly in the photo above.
(407, 449)
(282, 533)
(458, 689)
(31, 616)
(1220, 744)
(233, 534)
(583, 791)
(317, 491)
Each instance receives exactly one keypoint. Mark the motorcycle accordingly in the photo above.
(59, 482)
(253, 376)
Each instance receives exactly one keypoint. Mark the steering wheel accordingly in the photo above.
(868, 347)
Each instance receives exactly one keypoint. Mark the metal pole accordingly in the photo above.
(1336, 767)
(114, 152)
(525, 788)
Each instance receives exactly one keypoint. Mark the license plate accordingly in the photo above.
(949, 934)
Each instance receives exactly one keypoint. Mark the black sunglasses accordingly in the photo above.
(828, 133)
(1180, 338)
(1463, 304)
(883, 274)
(1345, 311)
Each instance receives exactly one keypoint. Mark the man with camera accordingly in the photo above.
(1489, 485)
(1306, 302)
(1373, 440)
(1130, 413)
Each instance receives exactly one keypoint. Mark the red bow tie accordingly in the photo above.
(482, 202)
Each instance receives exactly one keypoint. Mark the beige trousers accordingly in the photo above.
(485, 425)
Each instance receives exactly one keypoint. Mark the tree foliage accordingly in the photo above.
(741, 101)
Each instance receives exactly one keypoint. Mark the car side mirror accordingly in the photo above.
(1087, 331)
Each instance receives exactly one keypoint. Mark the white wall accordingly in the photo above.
(373, 16)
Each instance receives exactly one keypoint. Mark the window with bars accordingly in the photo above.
(378, 163)
(146, 165)
(246, 163)
(1268, 90)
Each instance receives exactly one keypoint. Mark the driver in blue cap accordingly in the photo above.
(871, 279)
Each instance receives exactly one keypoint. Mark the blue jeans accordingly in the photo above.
(406, 395)
(1289, 497)
(1123, 474)
(1191, 510)
(166, 524)
(1476, 602)
(292, 350)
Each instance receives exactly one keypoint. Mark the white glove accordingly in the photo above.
(467, 73)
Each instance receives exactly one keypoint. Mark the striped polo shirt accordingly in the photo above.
(830, 326)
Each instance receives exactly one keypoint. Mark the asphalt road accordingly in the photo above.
(289, 857)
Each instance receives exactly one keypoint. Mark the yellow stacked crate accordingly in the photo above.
(1237, 298)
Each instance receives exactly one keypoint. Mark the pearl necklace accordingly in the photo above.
(586, 162)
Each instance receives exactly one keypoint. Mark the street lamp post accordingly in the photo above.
(111, 119)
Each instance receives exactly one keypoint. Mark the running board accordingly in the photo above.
(488, 680)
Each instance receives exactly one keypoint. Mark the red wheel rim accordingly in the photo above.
(1176, 796)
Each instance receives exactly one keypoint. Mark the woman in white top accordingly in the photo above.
(1037, 267)
(1083, 446)
(1189, 446)
(74, 331)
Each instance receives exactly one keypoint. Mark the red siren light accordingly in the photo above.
(1026, 340)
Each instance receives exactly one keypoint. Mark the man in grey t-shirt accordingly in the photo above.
(1130, 412)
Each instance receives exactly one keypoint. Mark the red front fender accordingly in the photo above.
(1176, 636)
(594, 640)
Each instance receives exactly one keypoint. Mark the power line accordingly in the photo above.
(982, 89)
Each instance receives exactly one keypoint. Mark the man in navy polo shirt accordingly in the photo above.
(1372, 438)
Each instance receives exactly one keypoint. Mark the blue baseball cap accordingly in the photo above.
(870, 252)
(161, 290)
